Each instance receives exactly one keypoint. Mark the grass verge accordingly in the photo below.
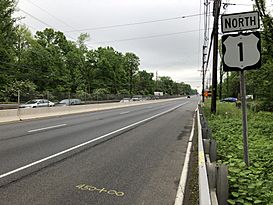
(247, 185)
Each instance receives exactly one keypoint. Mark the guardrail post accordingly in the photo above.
(213, 150)
(222, 184)
(212, 171)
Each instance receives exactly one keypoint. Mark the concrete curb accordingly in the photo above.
(184, 174)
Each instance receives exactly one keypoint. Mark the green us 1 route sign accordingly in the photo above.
(241, 51)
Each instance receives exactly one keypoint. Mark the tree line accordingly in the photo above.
(49, 62)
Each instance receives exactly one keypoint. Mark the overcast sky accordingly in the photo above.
(170, 47)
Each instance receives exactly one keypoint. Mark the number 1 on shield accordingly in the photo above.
(240, 45)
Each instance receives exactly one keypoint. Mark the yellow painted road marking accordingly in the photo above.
(86, 187)
(201, 159)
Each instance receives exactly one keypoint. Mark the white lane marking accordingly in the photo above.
(47, 128)
(88, 142)
(184, 174)
(122, 113)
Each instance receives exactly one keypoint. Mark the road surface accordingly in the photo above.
(130, 155)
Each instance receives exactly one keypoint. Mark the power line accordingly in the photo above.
(48, 25)
(148, 37)
(132, 24)
(39, 20)
(44, 10)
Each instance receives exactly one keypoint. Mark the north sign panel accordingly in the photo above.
(240, 21)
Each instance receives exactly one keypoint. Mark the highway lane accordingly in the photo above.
(135, 156)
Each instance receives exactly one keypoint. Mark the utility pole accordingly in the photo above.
(203, 74)
(205, 46)
(216, 13)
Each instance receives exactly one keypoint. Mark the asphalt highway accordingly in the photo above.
(130, 155)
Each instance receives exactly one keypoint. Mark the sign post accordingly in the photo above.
(241, 51)
(244, 114)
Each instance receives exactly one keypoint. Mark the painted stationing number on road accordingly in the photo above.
(240, 22)
(241, 51)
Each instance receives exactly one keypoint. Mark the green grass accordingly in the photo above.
(253, 184)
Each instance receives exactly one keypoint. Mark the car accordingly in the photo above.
(125, 100)
(137, 98)
(67, 102)
(37, 103)
(229, 99)
(188, 96)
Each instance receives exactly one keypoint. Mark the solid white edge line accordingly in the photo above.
(184, 174)
(88, 142)
(47, 128)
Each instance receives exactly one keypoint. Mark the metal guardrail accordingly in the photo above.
(204, 192)
(213, 182)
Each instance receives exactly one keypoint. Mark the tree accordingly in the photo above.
(43, 61)
(144, 83)
(131, 63)
(109, 69)
(7, 41)
(165, 84)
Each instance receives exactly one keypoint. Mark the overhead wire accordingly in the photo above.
(132, 24)
(53, 16)
(118, 25)
(147, 37)
(48, 25)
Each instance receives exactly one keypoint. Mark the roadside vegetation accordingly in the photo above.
(247, 185)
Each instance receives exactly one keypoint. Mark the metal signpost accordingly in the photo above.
(241, 51)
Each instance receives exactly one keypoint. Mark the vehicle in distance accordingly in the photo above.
(229, 99)
(188, 96)
(137, 98)
(125, 100)
(67, 102)
(37, 103)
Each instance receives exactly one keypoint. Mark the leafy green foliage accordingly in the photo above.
(253, 184)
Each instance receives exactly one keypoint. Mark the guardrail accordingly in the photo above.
(213, 182)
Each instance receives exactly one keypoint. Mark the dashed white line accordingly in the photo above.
(123, 113)
(47, 128)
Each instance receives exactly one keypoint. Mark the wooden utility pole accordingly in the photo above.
(205, 46)
(216, 12)
(203, 74)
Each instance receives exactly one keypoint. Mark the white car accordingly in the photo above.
(37, 103)
(125, 100)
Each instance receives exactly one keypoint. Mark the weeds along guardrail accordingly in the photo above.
(213, 181)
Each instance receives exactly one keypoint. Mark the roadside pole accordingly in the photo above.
(18, 108)
(244, 116)
(217, 6)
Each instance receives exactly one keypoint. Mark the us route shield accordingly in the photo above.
(241, 51)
